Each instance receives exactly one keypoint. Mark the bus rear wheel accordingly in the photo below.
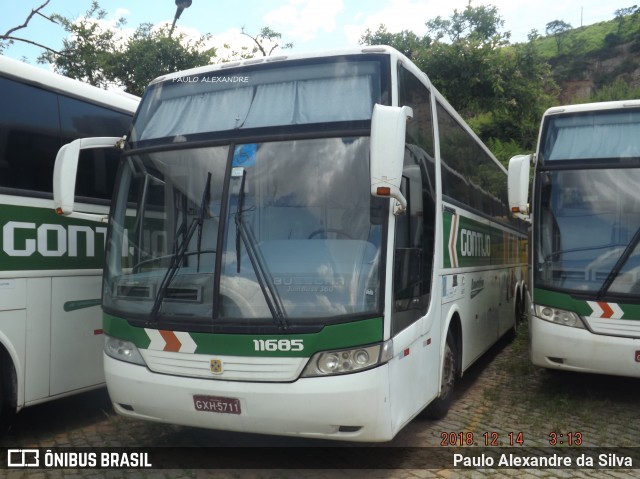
(439, 407)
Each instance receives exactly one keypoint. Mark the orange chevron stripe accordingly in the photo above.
(173, 343)
(607, 312)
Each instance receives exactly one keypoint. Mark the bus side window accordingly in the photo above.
(29, 137)
(407, 273)
(415, 229)
(412, 273)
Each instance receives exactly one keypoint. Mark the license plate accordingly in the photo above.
(217, 404)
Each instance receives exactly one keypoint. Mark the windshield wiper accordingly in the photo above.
(180, 251)
(615, 271)
(561, 252)
(244, 233)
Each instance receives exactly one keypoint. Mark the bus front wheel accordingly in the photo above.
(439, 407)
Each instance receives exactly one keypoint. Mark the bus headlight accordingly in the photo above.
(344, 361)
(559, 316)
(122, 350)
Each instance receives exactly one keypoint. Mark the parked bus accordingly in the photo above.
(585, 256)
(312, 245)
(50, 266)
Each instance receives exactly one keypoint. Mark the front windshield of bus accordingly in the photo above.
(244, 199)
(588, 231)
(290, 237)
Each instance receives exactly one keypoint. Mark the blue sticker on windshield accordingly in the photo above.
(245, 155)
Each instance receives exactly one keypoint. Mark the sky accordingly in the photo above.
(311, 25)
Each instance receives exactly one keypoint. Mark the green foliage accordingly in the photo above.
(150, 53)
(501, 91)
(505, 150)
(618, 90)
(86, 49)
(406, 42)
(100, 56)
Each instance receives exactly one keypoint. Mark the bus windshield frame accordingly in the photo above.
(587, 214)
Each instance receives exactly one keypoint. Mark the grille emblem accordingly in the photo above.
(216, 366)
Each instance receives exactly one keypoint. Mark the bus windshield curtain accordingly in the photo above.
(276, 104)
(619, 140)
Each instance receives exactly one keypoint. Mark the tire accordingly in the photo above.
(439, 407)
(7, 411)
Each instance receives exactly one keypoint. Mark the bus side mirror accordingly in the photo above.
(65, 172)
(518, 185)
(388, 129)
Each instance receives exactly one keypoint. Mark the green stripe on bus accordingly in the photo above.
(334, 336)
(565, 301)
(81, 304)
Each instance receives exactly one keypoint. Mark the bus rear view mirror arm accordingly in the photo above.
(65, 172)
(388, 128)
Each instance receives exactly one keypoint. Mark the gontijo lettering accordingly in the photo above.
(473, 243)
(49, 239)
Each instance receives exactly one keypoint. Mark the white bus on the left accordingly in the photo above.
(51, 266)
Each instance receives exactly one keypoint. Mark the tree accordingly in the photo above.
(86, 50)
(266, 42)
(474, 24)
(152, 52)
(101, 54)
(406, 42)
(621, 13)
(8, 38)
(466, 69)
(559, 30)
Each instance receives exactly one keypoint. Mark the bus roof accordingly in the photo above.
(587, 107)
(279, 58)
(47, 80)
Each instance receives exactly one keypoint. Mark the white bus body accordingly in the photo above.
(585, 274)
(281, 275)
(50, 267)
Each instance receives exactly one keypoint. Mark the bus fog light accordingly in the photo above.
(122, 350)
(559, 316)
(346, 360)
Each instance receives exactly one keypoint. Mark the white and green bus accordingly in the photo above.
(585, 209)
(51, 266)
(312, 245)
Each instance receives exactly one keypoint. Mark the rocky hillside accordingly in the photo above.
(621, 65)
(588, 60)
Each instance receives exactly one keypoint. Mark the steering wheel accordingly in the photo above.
(325, 231)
